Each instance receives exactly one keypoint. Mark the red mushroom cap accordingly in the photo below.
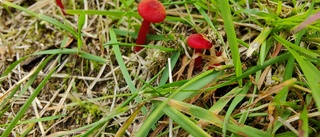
(198, 41)
(152, 11)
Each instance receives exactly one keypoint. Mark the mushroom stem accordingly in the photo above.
(141, 39)
(152, 11)
(60, 4)
(198, 60)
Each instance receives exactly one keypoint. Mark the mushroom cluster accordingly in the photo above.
(152, 11)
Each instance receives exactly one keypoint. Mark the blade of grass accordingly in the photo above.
(264, 50)
(313, 18)
(208, 20)
(258, 41)
(165, 75)
(224, 7)
(252, 70)
(269, 17)
(42, 119)
(146, 84)
(297, 48)
(128, 122)
(117, 14)
(90, 128)
(246, 113)
(237, 99)
(282, 96)
(185, 122)
(11, 91)
(224, 100)
(221, 103)
(44, 17)
(285, 113)
(28, 102)
(12, 66)
(123, 68)
(195, 86)
(286, 134)
(311, 73)
(73, 51)
(287, 75)
(216, 120)
(91, 57)
(103, 12)
(304, 128)
(146, 46)
(164, 37)
(81, 22)
(195, 83)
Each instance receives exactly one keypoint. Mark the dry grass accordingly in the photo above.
(74, 89)
(81, 91)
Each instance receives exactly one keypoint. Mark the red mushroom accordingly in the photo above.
(198, 42)
(151, 11)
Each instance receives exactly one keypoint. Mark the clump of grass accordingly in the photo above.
(91, 83)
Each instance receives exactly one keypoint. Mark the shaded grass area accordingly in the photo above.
(77, 75)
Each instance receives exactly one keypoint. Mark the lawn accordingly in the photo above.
(203, 68)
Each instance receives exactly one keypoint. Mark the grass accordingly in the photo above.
(76, 75)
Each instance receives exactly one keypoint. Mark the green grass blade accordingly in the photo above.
(124, 70)
(90, 128)
(31, 76)
(164, 37)
(304, 129)
(91, 57)
(224, 100)
(73, 51)
(25, 106)
(165, 75)
(42, 119)
(258, 41)
(286, 134)
(237, 99)
(101, 12)
(12, 92)
(296, 47)
(217, 120)
(117, 52)
(58, 51)
(252, 70)
(128, 122)
(208, 20)
(311, 73)
(184, 122)
(260, 14)
(224, 7)
(81, 21)
(285, 113)
(12, 66)
(195, 83)
(146, 46)
(44, 17)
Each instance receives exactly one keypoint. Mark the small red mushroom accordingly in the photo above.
(198, 42)
(152, 11)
